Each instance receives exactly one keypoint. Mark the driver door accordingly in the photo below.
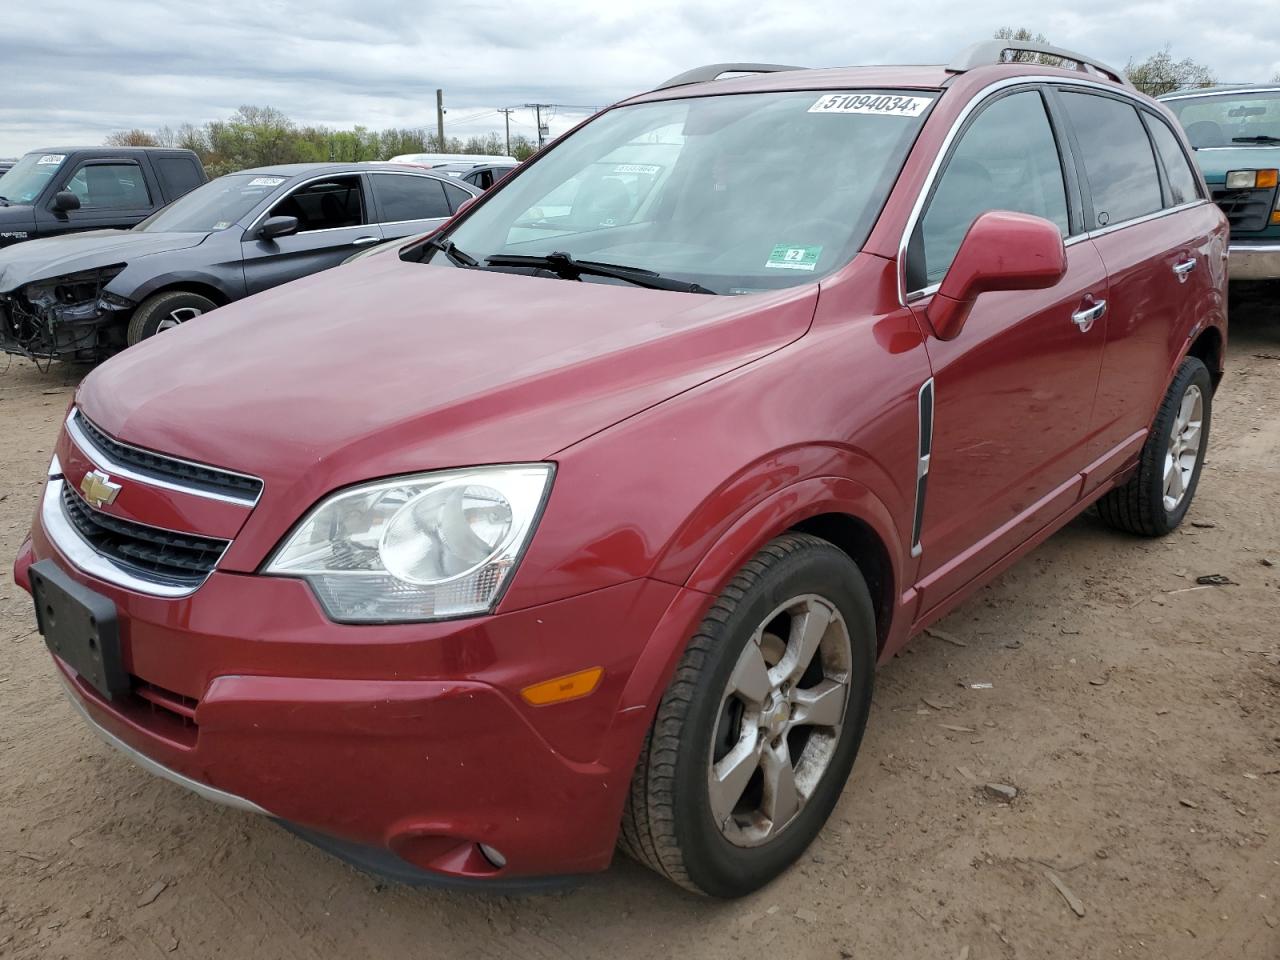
(333, 216)
(1014, 392)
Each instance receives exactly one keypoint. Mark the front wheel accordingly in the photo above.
(165, 311)
(1157, 497)
(756, 734)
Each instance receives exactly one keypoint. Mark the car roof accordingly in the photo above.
(107, 150)
(320, 169)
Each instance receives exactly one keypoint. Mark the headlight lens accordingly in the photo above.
(425, 547)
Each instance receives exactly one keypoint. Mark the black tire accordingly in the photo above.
(668, 823)
(153, 312)
(1138, 506)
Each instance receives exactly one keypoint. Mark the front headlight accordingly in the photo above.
(424, 547)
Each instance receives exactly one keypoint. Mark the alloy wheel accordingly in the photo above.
(178, 316)
(1183, 453)
(780, 720)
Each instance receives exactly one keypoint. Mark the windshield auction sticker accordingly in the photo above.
(266, 181)
(784, 257)
(53, 159)
(872, 103)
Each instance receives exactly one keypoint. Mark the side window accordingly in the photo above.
(1117, 158)
(324, 205)
(1006, 160)
(406, 197)
(457, 196)
(110, 186)
(1182, 181)
(179, 174)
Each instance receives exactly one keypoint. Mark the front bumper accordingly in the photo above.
(409, 742)
(1254, 260)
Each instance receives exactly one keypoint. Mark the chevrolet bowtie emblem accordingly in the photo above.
(98, 489)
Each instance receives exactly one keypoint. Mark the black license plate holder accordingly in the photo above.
(80, 627)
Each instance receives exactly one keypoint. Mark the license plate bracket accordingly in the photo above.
(80, 627)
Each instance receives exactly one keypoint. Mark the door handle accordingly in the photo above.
(365, 241)
(1184, 268)
(1085, 317)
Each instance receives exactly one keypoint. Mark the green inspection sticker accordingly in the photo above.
(794, 258)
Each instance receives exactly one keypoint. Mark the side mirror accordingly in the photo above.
(466, 204)
(64, 201)
(273, 227)
(1002, 251)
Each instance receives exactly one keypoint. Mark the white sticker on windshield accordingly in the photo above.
(52, 158)
(872, 103)
(267, 181)
(647, 169)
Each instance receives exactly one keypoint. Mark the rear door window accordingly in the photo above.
(110, 186)
(406, 197)
(1183, 185)
(457, 196)
(180, 175)
(1007, 159)
(325, 205)
(1117, 157)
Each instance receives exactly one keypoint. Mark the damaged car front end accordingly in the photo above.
(71, 317)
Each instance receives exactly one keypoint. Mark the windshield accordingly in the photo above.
(26, 181)
(1230, 119)
(736, 193)
(214, 206)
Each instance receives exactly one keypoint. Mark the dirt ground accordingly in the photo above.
(1139, 719)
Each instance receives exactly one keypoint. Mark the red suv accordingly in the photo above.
(586, 521)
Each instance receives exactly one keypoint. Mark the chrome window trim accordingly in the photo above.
(906, 296)
(1218, 93)
(103, 459)
(154, 767)
(84, 558)
(1245, 246)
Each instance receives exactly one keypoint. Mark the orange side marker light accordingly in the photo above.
(560, 689)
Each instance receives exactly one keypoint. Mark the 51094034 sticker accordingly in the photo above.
(876, 104)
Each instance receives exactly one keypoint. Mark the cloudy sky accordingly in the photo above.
(75, 70)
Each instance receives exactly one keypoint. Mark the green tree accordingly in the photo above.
(1160, 73)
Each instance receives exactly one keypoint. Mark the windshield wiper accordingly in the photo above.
(567, 267)
(1260, 138)
(448, 248)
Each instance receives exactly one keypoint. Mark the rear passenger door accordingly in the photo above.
(409, 203)
(1013, 393)
(334, 217)
(1153, 230)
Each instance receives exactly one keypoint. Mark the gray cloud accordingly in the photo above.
(75, 70)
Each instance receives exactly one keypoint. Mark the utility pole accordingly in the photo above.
(440, 116)
(542, 131)
(506, 113)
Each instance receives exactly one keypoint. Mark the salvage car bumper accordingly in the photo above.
(1256, 260)
(246, 694)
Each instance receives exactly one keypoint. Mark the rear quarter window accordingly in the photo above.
(179, 175)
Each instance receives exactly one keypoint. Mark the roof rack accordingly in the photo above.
(992, 51)
(714, 71)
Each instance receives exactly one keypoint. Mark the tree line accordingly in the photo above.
(264, 136)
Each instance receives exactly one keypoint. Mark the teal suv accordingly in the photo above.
(1235, 132)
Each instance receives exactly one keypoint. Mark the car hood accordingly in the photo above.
(34, 260)
(1216, 162)
(384, 367)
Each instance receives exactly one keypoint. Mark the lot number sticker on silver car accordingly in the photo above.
(873, 103)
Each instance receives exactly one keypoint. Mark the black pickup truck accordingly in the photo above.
(69, 189)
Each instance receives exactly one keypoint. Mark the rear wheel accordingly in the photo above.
(1157, 497)
(165, 311)
(756, 734)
